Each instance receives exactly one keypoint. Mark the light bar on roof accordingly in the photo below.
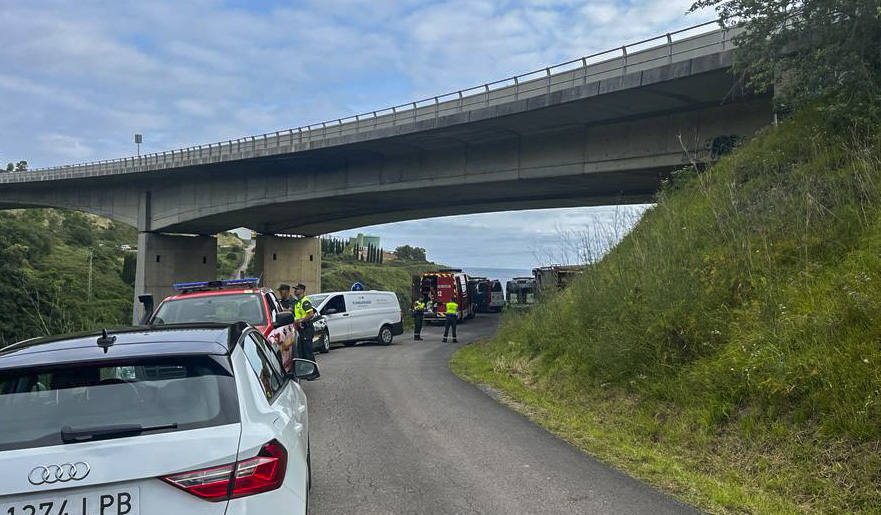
(247, 282)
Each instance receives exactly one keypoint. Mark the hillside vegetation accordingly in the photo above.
(44, 273)
(729, 348)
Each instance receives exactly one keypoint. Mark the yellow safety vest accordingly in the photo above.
(299, 312)
(452, 308)
(419, 306)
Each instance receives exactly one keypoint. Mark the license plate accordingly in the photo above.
(110, 502)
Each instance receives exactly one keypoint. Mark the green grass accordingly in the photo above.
(729, 348)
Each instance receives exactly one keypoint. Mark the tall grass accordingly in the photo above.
(738, 317)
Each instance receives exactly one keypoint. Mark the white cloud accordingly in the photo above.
(64, 146)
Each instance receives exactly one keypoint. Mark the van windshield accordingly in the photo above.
(225, 308)
(41, 407)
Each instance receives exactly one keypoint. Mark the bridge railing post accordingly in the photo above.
(436, 108)
(624, 68)
(486, 94)
(669, 49)
(548, 80)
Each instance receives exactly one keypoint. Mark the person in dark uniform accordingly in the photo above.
(418, 313)
(284, 297)
(451, 319)
(303, 313)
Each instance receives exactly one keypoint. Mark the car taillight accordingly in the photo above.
(263, 473)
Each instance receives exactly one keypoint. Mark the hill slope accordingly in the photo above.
(729, 348)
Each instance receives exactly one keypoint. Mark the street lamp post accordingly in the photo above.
(138, 140)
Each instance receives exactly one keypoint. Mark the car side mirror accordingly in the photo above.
(283, 318)
(147, 300)
(330, 311)
(305, 369)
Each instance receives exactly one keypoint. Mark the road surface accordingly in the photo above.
(394, 431)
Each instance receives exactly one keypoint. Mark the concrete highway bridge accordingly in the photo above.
(599, 130)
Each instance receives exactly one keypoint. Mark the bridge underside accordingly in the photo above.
(575, 147)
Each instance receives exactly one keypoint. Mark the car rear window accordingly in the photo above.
(226, 308)
(54, 405)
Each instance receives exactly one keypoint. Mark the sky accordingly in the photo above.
(78, 79)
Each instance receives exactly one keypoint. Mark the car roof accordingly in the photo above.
(212, 293)
(138, 341)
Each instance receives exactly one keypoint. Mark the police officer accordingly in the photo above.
(284, 296)
(451, 319)
(418, 313)
(303, 313)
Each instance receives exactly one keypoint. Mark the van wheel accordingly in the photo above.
(385, 335)
(325, 342)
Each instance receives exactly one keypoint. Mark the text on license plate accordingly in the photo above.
(114, 502)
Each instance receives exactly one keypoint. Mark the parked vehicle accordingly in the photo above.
(481, 288)
(228, 301)
(496, 300)
(195, 419)
(521, 292)
(353, 316)
(555, 277)
(444, 286)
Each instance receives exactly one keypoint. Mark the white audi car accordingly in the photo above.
(190, 419)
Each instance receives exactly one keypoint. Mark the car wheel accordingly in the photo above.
(325, 342)
(385, 335)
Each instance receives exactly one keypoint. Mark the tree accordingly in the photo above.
(410, 253)
(807, 50)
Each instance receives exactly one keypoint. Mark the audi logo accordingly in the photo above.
(59, 473)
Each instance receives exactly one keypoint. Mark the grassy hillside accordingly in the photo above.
(44, 273)
(729, 348)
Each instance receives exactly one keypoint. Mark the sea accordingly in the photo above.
(502, 274)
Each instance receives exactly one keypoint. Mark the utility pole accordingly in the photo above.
(91, 253)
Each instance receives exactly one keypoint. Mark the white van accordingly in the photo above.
(353, 316)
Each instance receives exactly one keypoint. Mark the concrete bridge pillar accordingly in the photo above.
(290, 260)
(165, 259)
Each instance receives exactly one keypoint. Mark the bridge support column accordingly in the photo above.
(289, 260)
(164, 259)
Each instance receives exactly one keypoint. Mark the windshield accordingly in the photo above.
(317, 299)
(228, 308)
(47, 406)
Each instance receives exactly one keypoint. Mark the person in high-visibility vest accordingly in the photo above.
(418, 312)
(303, 313)
(451, 319)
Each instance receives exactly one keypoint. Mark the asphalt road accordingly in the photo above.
(394, 431)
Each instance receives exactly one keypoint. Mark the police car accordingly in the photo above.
(234, 300)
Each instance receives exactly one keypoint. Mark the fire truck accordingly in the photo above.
(443, 286)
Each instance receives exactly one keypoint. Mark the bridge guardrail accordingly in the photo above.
(677, 46)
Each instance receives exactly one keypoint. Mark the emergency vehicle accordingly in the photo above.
(228, 301)
(444, 286)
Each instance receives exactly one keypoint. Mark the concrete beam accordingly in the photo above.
(165, 259)
(288, 260)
